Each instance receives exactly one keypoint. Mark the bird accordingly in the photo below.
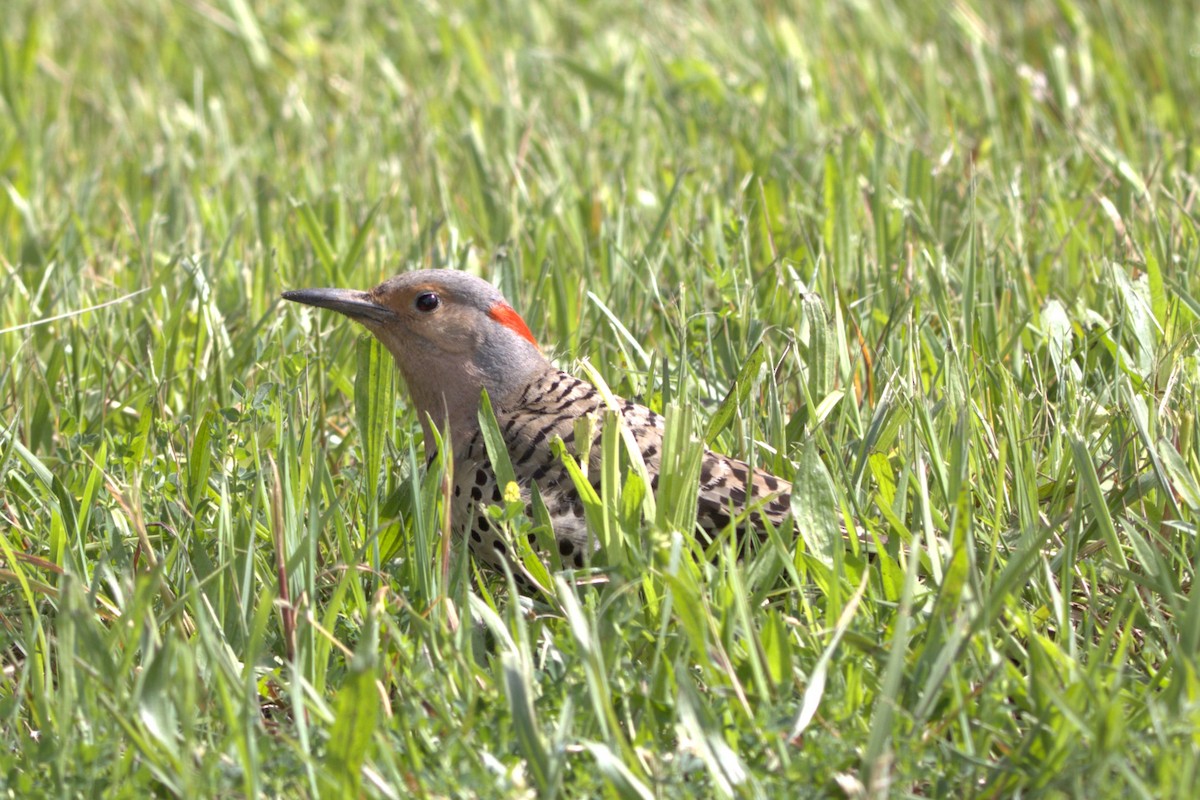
(452, 336)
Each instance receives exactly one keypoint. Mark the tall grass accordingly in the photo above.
(938, 266)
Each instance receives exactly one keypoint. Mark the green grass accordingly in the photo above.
(957, 249)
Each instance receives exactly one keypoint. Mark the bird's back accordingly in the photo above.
(550, 407)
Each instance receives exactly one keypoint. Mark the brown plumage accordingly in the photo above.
(453, 335)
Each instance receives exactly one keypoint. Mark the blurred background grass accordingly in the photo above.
(991, 208)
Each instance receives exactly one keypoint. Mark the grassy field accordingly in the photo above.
(944, 263)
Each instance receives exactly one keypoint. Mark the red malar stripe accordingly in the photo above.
(506, 316)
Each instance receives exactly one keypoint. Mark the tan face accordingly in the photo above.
(429, 315)
(451, 335)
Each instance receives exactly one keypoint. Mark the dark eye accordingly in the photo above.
(428, 301)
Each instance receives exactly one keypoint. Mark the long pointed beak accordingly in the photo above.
(354, 304)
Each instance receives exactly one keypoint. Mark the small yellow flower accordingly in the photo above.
(512, 492)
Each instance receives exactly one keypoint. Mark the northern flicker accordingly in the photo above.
(452, 335)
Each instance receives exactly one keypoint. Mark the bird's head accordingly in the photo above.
(452, 335)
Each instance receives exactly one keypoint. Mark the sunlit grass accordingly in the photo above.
(937, 267)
